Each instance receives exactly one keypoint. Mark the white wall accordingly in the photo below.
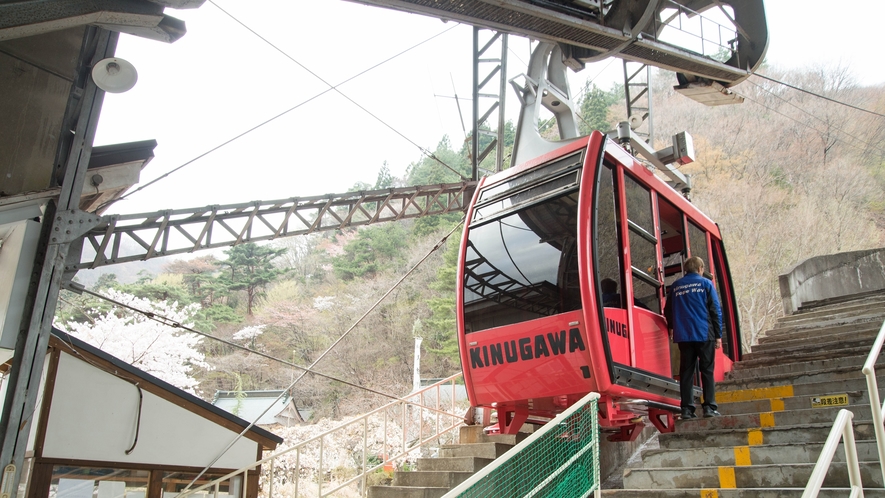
(19, 235)
(93, 417)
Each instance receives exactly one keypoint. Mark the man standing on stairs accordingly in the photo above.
(694, 319)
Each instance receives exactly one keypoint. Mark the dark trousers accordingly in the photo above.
(693, 355)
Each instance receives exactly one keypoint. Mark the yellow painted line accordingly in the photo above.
(766, 419)
(742, 456)
(709, 493)
(777, 405)
(754, 394)
(754, 437)
(726, 478)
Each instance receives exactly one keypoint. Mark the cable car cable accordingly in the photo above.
(155, 180)
(177, 325)
(808, 125)
(332, 346)
(819, 96)
(335, 88)
(813, 116)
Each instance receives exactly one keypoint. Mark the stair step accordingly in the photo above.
(799, 356)
(479, 450)
(431, 479)
(856, 316)
(749, 421)
(797, 402)
(768, 454)
(848, 375)
(835, 348)
(856, 362)
(856, 334)
(807, 433)
(854, 305)
(453, 464)
(831, 302)
(820, 331)
(857, 306)
(753, 476)
(777, 386)
(849, 336)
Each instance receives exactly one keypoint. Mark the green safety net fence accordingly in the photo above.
(560, 460)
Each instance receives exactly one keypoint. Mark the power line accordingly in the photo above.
(79, 288)
(809, 114)
(819, 95)
(76, 287)
(329, 349)
(250, 130)
(335, 88)
(810, 126)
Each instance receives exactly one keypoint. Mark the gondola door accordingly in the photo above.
(649, 342)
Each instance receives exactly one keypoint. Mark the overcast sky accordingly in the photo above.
(220, 80)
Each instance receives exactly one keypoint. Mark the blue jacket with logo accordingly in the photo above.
(693, 310)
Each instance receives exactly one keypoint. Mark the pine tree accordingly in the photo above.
(249, 267)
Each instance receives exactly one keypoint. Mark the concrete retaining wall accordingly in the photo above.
(833, 275)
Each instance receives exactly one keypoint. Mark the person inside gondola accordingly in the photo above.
(610, 296)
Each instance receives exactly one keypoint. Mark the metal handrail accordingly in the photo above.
(869, 371)
(722, 38)
(842, 430)
(402, 450)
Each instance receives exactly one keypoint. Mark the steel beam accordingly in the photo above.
(137, 237)
(487, 69)
(61, 224)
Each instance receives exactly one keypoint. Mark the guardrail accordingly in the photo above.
(563, 457)
(842, 430)
(869, 371)
(418, 421)
(682, 27)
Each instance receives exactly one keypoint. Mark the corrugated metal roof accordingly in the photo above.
(268, 405)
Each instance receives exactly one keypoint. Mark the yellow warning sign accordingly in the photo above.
(828, 401)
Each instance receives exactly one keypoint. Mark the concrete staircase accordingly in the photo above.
(775, 417)
(455, 464)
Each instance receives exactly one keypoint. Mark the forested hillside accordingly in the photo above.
(787, 175)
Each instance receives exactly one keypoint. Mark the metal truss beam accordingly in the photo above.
(488, 69)
(138, 237)
(637, 95)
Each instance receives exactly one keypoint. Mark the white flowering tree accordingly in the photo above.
(164, 352)
(249, 334)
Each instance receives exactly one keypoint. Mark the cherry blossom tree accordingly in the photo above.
(249, 334)
(165, 352)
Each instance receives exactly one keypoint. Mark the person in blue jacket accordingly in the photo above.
(694, 319)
